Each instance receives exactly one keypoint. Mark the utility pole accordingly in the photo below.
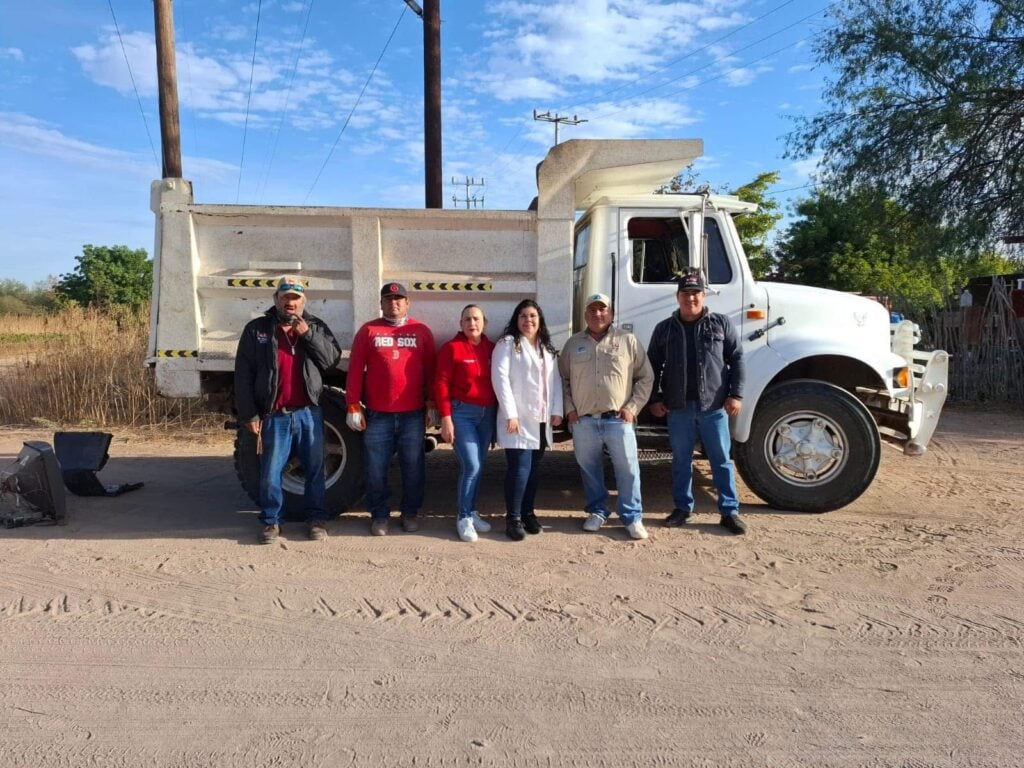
(430, 13)
(557, 119)
(167, 80)
(469, 182)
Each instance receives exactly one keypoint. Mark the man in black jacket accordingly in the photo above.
(698, 372)
(279, 368)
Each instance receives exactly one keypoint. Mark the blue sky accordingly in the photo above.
(77, 161)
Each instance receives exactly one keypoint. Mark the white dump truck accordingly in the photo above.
(828, 376)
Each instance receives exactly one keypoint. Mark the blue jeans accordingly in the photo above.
(385, 433)
(474, 430)
(521, 481)
(590, 436)
(684, 425)
(303, 431)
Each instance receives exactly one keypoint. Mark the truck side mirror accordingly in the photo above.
(695, 225)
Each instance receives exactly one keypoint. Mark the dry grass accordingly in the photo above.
(83, 368)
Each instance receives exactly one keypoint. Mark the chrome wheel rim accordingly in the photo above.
(806, 448)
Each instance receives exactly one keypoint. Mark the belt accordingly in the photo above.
(291, 410)
(604, 415)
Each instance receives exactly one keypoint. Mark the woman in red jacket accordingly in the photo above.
(465, 399)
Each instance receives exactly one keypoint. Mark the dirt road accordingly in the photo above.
(153, 631)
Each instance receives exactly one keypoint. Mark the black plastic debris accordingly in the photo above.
(81, 455)
(30, 488)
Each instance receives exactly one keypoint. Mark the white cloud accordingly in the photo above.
(293, 7)
(12, 53)
(739, 76)
(216, 83)
(31, 135)
(807, 67)
(541, 50)
(805, 170)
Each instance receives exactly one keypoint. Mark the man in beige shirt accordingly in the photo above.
(607, 380)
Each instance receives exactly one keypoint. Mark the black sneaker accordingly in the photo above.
(514, 529)
(677, 518)
(733, 524)
(531, 523)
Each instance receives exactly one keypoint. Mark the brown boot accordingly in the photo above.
(269, 534)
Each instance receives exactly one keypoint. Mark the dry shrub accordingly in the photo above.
(84, 367)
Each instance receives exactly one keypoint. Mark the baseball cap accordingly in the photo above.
(690, 282)
(393, 289)
(290, 284)
(594, 298)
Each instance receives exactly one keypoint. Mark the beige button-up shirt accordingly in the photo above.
(606, 375)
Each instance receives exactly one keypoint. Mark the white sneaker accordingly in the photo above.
(637, 530)
(593, 522)
(465, 528)
(480, 524)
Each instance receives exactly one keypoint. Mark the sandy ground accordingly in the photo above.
(153, 631)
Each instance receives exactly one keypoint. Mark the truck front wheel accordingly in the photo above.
(343, 465)
(813, 447)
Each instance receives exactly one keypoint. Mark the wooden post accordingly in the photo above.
(167, 79)
(432, 103)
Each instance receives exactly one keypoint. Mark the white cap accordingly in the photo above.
(595, 298)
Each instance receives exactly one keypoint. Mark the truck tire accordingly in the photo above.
(813, 447)
(343, 465)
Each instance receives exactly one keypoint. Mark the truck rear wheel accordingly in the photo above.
(813, 447)
(343, 465)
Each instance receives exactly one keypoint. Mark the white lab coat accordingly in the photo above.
(517, 379)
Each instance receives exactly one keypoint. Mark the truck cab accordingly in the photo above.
(827, 375)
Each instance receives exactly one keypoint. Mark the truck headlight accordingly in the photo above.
(902, 378)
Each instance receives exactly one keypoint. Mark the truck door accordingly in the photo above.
(654, 249)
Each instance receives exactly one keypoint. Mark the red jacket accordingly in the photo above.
(464, 373)
(397, 362)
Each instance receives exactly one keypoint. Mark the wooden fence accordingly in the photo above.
(987, 348)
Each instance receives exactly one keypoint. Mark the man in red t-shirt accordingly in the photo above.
(390, 371)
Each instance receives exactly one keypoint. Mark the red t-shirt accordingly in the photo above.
(464, 373)
(291, 386)
(391, 367)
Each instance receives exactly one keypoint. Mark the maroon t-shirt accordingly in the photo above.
(291, 387)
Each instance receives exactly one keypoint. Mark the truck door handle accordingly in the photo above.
(762, 331)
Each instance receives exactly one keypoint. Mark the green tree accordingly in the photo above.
(754, 228)
(16, 298)
(108, 276)
(868, 243)
(926, 104)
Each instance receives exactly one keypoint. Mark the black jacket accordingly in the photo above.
(719, 361)
(256, 363)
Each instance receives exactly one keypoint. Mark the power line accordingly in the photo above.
(793, 189)
(354, 106)
(287, 100)
(248, 99)
(132, 78)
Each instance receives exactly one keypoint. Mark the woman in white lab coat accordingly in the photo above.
(524, 372)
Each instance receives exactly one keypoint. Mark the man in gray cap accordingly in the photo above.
(698, 368)
(279, 367)
(606, 381)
